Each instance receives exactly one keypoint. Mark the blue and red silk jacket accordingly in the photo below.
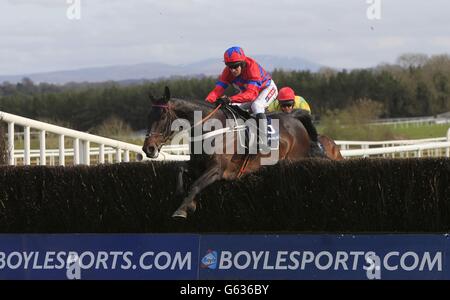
(252, 80)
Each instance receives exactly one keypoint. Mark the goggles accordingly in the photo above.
(234, 65)
(286, 103)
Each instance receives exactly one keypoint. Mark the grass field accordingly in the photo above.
(420, 132)
(388, 132)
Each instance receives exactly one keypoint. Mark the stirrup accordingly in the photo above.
(263, 147)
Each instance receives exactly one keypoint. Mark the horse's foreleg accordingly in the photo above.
(188, 204)
(180, 184)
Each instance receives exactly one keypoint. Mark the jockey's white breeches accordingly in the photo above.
(264, 99)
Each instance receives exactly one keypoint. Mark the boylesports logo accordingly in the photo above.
(209, 261)
(317, 261)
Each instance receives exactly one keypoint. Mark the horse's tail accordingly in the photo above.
(304, 117)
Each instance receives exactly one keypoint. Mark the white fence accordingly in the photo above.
(87, 148)
(407, 122)
(80, 153)
(439, 147)
(435, 147)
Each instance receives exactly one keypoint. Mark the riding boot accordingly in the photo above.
(263, 146)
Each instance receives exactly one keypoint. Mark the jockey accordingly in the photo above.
(256, 88)
(287, 101)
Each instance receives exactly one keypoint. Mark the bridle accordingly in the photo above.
(167, 107)
(154, 133)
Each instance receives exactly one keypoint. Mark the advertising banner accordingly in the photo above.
(324, 257)
(223, 257)
(98, 256)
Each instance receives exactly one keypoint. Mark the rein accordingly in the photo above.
(208, 116)
(216, 132)
(166, 106)
(247, 157)
(161, 105)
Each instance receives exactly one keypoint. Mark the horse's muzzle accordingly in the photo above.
(151, 151)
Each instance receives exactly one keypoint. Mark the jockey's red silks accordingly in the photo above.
(252, 80)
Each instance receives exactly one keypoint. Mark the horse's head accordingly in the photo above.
(159, 129)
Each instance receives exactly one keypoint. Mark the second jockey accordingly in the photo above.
(256, 88)
(287, 101)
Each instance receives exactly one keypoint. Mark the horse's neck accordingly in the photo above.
(186, 110)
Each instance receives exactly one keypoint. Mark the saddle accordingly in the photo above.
(247, 136)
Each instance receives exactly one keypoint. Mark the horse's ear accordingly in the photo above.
(150, 96)
(166, 94)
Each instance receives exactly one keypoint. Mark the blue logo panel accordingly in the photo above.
(326, 256)
(98, 256)
(188, 257)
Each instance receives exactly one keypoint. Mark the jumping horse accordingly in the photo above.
(294, 143)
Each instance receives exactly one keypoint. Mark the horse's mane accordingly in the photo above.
(190, 105)
(304, 117)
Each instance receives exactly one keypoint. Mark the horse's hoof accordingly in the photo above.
(179, 214)
(192, 207)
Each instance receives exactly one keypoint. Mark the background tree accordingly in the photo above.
(417, 85)
(353, 122)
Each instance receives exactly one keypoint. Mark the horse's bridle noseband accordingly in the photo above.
(149, 134)
(158, 134)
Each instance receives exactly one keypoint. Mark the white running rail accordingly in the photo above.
(407, 122)
(81, 153)
(436, 147)
(117, 151)
(366, 144)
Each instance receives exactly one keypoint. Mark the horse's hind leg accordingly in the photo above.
(188, 204)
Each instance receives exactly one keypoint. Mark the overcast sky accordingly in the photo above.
(37, 35)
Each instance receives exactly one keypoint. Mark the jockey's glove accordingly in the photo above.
(223, 100)
(209, 100)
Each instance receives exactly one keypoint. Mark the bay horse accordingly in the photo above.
(331, 149)
(294, 144)
(329, 146)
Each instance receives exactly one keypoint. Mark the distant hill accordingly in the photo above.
(150, 71)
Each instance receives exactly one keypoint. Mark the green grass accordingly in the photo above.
(388, 132)
(420, 132)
